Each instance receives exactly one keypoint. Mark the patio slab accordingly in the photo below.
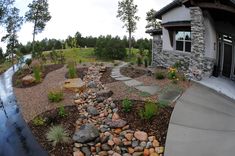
(170, 95)
(123, 78)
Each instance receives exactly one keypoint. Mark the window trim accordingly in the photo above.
(184, 42)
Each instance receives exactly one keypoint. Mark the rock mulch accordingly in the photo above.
(100, 131)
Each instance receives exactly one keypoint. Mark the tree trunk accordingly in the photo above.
(130, 43)
(34, 32)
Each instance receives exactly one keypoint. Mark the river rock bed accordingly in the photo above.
(100, 131)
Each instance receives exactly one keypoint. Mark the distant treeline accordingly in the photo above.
(79, 41)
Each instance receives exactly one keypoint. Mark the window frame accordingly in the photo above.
(183, 40)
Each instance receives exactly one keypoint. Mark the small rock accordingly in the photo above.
(126, 127)
(86, 151)
(129, 136)
(126, 154)
(92, 111)
(130, 150)
(110, 142)
(78, 145)
(116, 124)
(78, 153)
(149, 145)
(117, 141)
(154, 154)
(138, 149)
(103, 153)
(105, 147)
(116, 154)
(155, 143)
(137, 154)
(142, 136)
(86, 133)
(104, 139)
(143, 144)
(135, 143)
(115, 117)
(146, 152)
(127, 143)
(113, 105)
(118, 131)
(92, 84)
(151, 150)
(160, 150)
(151, 138)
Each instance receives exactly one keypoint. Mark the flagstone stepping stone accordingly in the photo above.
(132, 83)
(149, 89)
(123, 78)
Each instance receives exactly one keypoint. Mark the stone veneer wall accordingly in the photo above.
(194, 61)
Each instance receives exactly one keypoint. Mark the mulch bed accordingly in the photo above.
(16, 79)
(132, 72)
(81, 72)
(158, 126)
(106, 76)
(52, 118)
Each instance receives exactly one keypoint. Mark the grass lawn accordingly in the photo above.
(88, 55)
(4, 66)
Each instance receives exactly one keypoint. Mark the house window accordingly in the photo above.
(183, 41)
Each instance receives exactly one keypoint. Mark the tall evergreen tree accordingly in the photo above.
(2, 58)
(127, 13)
(152, 22)
(13, 24)
(5, 6)
(39, 15)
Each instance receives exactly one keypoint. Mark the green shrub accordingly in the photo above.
(55, 96)
(57, 134)
(172, 73)
(139, 60)
(145, 62)
(38, 121)
(80, 61)
(126, 105)
(177, 65)
(72, 70)
(62, 112)
(132, 63)
(159, 75)
(37, 74)
(150, 109)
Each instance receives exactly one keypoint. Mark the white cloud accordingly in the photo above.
(89, 17)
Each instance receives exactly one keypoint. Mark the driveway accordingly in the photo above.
(202, 124)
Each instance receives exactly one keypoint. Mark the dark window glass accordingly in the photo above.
(188, 46)
(180, 45)
(187, 36)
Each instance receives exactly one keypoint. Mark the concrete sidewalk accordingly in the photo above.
(202, 124)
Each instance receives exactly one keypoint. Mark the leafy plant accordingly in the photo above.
(159, 75)
(55, 96)
(150, 109)
(62, 112)
(172, 73)
(37, 74)
(38, 121)
(126, 105)
(72, 70)
(178, 65)
(57, 134)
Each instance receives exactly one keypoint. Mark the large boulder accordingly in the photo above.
(86, 133)
(74, 85)
(28, 79)
(104, 93)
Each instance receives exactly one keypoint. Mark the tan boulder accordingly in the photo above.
(28, 79)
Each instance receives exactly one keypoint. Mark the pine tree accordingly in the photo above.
(39, 15)
(152, 22)
(127, 13)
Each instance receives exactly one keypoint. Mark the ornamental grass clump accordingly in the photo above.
(72, 72)
(55, 96)
(38, 121)
(159, 75)
(149, 111)
(57, 134)
(126, 105)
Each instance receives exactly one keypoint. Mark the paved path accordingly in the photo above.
(202, 124)
(116, 74)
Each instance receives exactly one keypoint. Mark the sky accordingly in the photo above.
(89, 17)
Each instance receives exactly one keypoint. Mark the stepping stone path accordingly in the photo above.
(116, 74)
(100, 131)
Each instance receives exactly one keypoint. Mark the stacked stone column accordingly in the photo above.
(157, 50)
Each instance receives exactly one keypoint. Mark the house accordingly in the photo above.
(199, 34)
